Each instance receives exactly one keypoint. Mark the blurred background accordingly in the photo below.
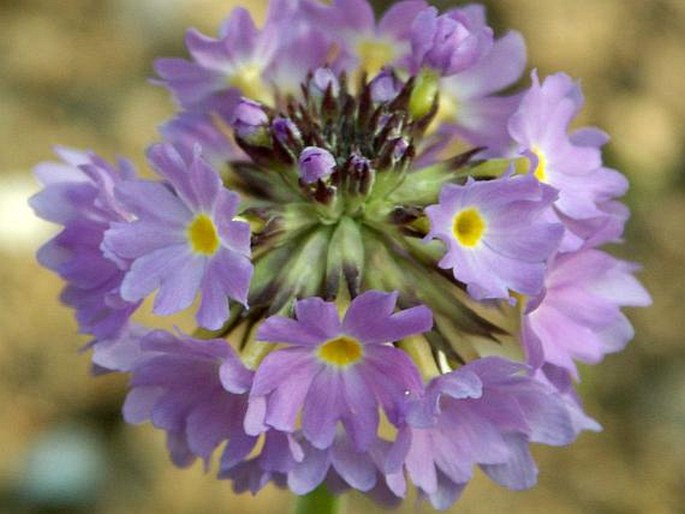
(75, 72)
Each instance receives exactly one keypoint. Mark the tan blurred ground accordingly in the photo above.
(74, 72)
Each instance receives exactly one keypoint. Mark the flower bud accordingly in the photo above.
(323, 79)
(400, 148)
(424, 94)
(315, 164)
(449, 43)
(286, 132)
(385, 87)
(250, 122)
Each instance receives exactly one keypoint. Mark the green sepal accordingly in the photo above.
(345, 258)
(303, 273)
(402, 268)
(493, 168)
(422, 187)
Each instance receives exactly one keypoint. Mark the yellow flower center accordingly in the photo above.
(202, 235)
(248, 78)
(448, 109)
(469, 227)
(374, 54)
(343, 351)
(541, 169)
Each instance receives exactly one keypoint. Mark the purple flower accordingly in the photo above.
(579, 316)
(364, 45)
(184, 239)
(244, 60)
(570, 163)
(340, 466)
(484, 413)
(195, 391)
(285, 131)
(315, 164)
(78, 194)
(449, 43)
(496, 237)
(336, 371)
(189, 129)
(340, 175)
(469, 108)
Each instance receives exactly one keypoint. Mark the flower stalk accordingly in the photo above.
(319, 501)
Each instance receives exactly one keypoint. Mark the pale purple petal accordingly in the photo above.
(520, 471)
(323, 406)
(356, 468)
(370, 319)
(320, 316)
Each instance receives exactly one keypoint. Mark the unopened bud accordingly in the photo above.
(323, 79)
(286, 132)
(424, 93)
(385, 87)
(449, 43)
(251, 122)
(315, 164)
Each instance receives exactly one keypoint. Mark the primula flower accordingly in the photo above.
(177, 385)
(570, 163)
(363, 44)
(579, 317)
(336, 371)
(357, 352)
(496, 240)
(184, 239)
(244, 60)
(485, 413)
(79, 195)
(470, 108)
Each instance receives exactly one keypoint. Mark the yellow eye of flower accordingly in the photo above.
(541, 169)
(342, 351)
(468, 227)
(374, 54)
(248, 79)
(203, 236)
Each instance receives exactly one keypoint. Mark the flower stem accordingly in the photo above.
(319, 501)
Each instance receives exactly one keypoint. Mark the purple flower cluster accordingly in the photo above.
(304, 209)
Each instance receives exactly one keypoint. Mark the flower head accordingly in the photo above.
(313, 166)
